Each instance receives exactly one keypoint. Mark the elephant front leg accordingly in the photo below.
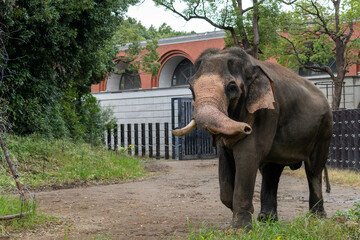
(245, 176)
(226, 176)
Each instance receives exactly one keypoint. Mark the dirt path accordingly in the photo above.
(158, 207)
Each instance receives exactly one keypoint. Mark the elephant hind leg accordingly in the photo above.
(316, 202)
(226, 177)
(271, 173)
(314, 169)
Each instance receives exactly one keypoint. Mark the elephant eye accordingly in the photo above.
(232, 90)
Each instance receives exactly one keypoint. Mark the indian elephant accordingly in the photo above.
(261, 116)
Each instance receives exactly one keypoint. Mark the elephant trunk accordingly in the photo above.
(210, 107)
(210, 118)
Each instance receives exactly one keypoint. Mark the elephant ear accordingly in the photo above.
(260, 91)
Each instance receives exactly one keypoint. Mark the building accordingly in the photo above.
(137, 98)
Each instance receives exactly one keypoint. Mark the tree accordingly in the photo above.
(141, 57)
(315, 32)
(55, 49)
(245, 25)
(133, 31)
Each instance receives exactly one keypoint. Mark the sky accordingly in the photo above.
(149, 15)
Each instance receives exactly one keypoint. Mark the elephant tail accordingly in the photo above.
(326, 175)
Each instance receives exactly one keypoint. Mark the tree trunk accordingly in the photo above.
(340, 60)
(256, 30)
(336, 98)
(240, 25)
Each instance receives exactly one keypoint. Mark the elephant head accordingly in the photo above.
(228, 86)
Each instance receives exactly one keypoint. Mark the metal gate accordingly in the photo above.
(344, 152)
(195, 145)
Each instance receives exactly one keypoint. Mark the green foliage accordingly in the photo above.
(133, 31)
(311, 32)
(49, 48)
(351, 214)
(268, 12)
(45, 161)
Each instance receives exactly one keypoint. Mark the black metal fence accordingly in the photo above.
(344, 152)
(151, 139)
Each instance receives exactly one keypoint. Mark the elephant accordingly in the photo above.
(262, 116)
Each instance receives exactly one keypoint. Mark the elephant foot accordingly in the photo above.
(265, 217)
(242, 221)
(319, 213)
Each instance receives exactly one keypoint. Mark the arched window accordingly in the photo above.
(130, 80)
(182, 73)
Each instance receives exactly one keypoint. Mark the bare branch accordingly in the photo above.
(288, 3)
(348, 36)
(246, 9)
(252, 7)
(318, 16)
(196, 16)
(311, 67)
(226, 13)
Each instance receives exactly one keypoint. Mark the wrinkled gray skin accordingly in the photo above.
(290, 122)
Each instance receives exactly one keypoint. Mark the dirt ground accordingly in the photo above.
(158, 207)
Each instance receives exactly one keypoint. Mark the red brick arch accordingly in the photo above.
(169, 55)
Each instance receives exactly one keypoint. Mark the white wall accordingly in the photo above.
(143, 106)
(349, 100)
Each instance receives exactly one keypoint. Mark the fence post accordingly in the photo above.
(174, 146)
(143, 149)
(136, 136)
(109, 138)
(157, 140)
(116, 137)
(150, 141)
(166, 129)
(129, 139)
(122, 135)
(181, 124)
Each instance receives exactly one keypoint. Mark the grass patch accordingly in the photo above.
(10, 205)
(338, 176)
(341, 226)
(43, 162)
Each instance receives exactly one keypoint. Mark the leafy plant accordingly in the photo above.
(52, 52)
(352, 214)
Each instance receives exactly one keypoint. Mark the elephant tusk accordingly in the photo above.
(212, 131)
(185, 130)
